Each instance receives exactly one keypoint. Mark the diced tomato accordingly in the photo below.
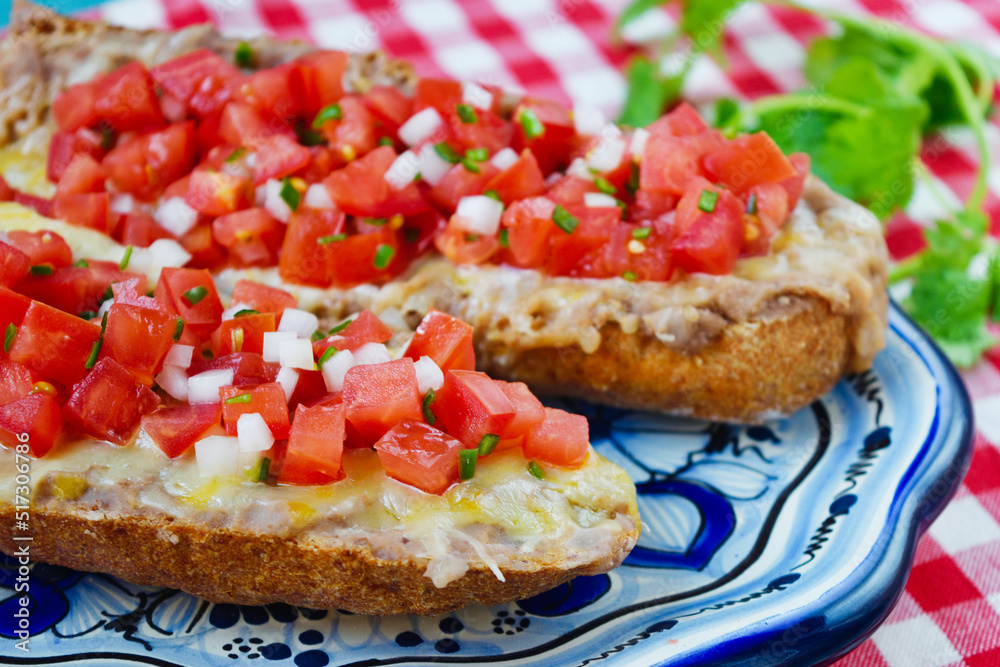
(442, 94)
(361, 189)
(249, 369)
(84, 210)
(377, 396)
(650, 205)
(307, 252)
(140, 230)
(75, 107)
(315, 446)
(133, 293)
(138, 339)
(570, 190)
(794, 184)
(147, 164)
(357, 259)
(365, 328)
(528, 410)
(268, 400)
(40, 205)
(310, 390)
(321, 76)
(205, 252)
(459, 182)
(770, 206)
(462, 247)
(15, 382)
(252, 236)
(175, 428)
(83, 174)
(12, 308)
(445, 339)
(529, 231)
(245, 333)
(562, 439)
(521, 180)
(748, 161)
(201, 80)
(126, 98)
(419, 455)
(554, 144)
(682, 121)
(668, 162)
(75, 289)
(592, 233)
(279, 156)
(191, 294)
(242, 125)
(469, 405)
(354, 134)
(390, 107)
(54, 344)
(419, 232)
(274, 92)
(488, 131)
(64, 146)
(214, 192)
(109, 402)
(263, 298)
(708, 242)
(14, 265)
(38, 416)
(653, 261)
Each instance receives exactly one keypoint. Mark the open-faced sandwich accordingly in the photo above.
(669, 267)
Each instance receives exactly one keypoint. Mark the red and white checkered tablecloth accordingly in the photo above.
(950, 611)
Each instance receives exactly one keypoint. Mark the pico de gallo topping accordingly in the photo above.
(257, 389)
(286, 167)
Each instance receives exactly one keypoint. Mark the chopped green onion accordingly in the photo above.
(81, 264)
(605, 186)
(536, 470)
(467, 463)
(378, 222)
(386, 141)
(95, 351)
(470, 165)
(11, 333)
(383, 255)
(629, 276)
(265, 467)
(290, 193)
(466, 113)
(241, 398)
(236, 154)
(488, 444)
(331, 112)
(41, 270)
(87, 315)
(178, 329)
(641, 233)
(752, 204)
(246, 311)
(244, 55)
(327, 353)
(411, 234)
(317, 336)
(332, 238)
(564, 220)
(477, 154)
(194, 295)
(340, 327)
(426, 407)
(530, 124)
(493, 194)
(707, 200)
(504, 239)
(125, 258)
(447, 153)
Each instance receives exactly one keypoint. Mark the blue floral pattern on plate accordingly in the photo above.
(779, 544)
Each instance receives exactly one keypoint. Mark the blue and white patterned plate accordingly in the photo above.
(778, 544)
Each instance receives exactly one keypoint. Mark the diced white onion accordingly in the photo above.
(579, 169)
(302, 322)
(433, 167)
(105, 307)
(429, 375)
(403, 170)
(273, 340)
(478, 214)
(174, 381)
(297, 353)
(122, 203)
(274, 203)
(217, 455)
(639, 138)
(288, 378)
(420, 126)
(599, 200)
(253, 433)
(179, 355)
(317, 196)
(175, 216)
(371, 353)
(204, 387)
(476, 95)
(336, 368)
(139, 260)
(607, 155)
(504, 158)
(168, 252)
(588, 120)
(230, 313)
(260, 195)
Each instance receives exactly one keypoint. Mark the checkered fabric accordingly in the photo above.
(562, 49)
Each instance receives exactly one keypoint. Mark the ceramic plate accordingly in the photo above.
(779, 544)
